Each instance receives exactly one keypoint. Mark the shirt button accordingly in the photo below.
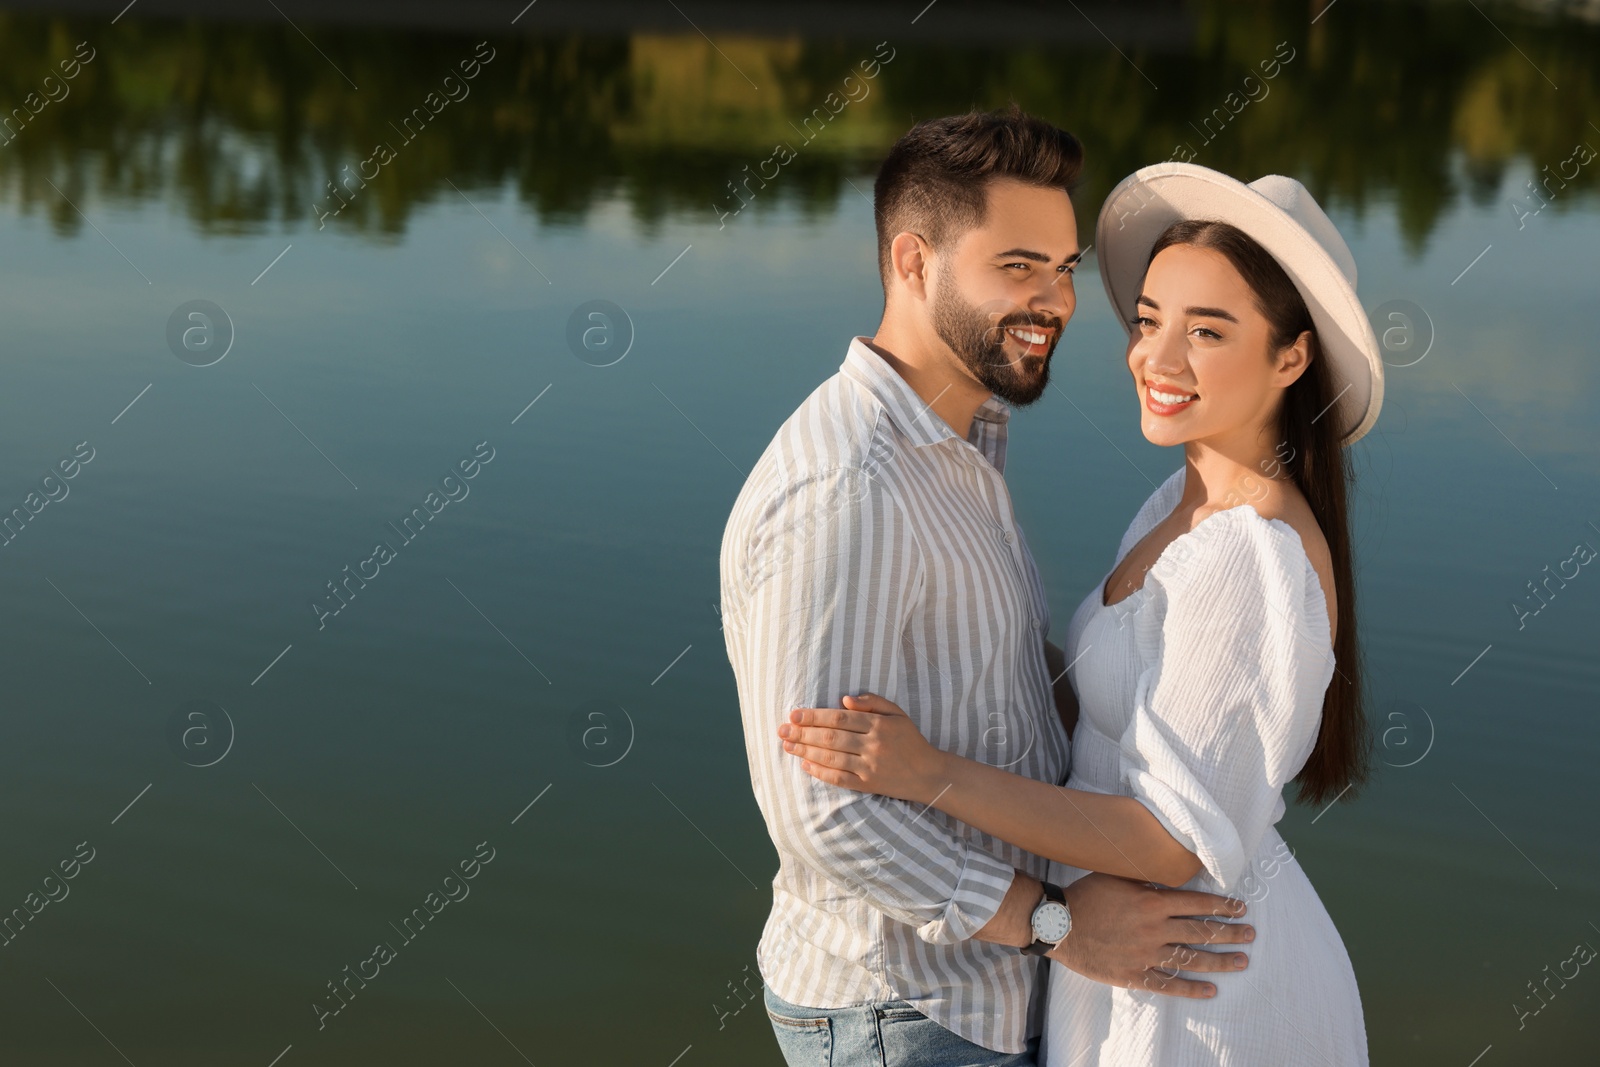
(1007, 538)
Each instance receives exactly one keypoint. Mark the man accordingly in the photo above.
(873, 548)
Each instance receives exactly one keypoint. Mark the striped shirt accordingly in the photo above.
(873, 549)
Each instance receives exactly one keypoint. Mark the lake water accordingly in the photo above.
(252, 790)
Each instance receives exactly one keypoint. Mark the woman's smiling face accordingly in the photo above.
(1201, 353)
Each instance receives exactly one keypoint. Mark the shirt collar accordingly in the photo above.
(908, 411)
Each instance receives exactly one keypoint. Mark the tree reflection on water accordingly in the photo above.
(241, 127)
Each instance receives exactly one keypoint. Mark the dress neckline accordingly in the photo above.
(1101, 589)
(1305, 557)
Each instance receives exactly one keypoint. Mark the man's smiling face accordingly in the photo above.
(1003, 291)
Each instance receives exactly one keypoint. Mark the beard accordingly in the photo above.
(978, 339)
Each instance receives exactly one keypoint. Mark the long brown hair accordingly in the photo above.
(1310, 451)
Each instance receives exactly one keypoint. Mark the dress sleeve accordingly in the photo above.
(1235, 658)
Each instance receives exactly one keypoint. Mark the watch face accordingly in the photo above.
(1051, 921)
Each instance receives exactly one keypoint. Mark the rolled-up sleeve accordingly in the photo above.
(816, 597)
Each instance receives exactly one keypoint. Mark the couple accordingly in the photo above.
(906, 720)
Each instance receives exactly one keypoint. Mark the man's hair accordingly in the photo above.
(935, 180)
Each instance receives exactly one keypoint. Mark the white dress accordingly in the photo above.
(1201, 695)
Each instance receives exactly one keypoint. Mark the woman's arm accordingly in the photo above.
(873, 746)
(1094, 831)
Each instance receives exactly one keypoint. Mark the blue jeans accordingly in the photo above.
(885, 1033)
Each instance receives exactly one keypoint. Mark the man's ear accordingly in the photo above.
(910, 259)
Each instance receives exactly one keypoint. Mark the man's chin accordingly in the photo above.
(1032, 379)
(1018, 381)
(1024, 390)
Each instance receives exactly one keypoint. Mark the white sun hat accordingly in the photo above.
(1281, 216)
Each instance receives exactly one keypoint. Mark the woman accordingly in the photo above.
(1217, 660)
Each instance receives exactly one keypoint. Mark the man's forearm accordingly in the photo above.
(1013, 923)
(878, 849)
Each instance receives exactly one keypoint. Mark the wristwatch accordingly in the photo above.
(1052, 921)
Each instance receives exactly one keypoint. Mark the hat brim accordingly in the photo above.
(1145, 203)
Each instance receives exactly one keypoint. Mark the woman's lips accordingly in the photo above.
(1165, 406)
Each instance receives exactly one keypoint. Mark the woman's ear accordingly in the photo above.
(1293, 359)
